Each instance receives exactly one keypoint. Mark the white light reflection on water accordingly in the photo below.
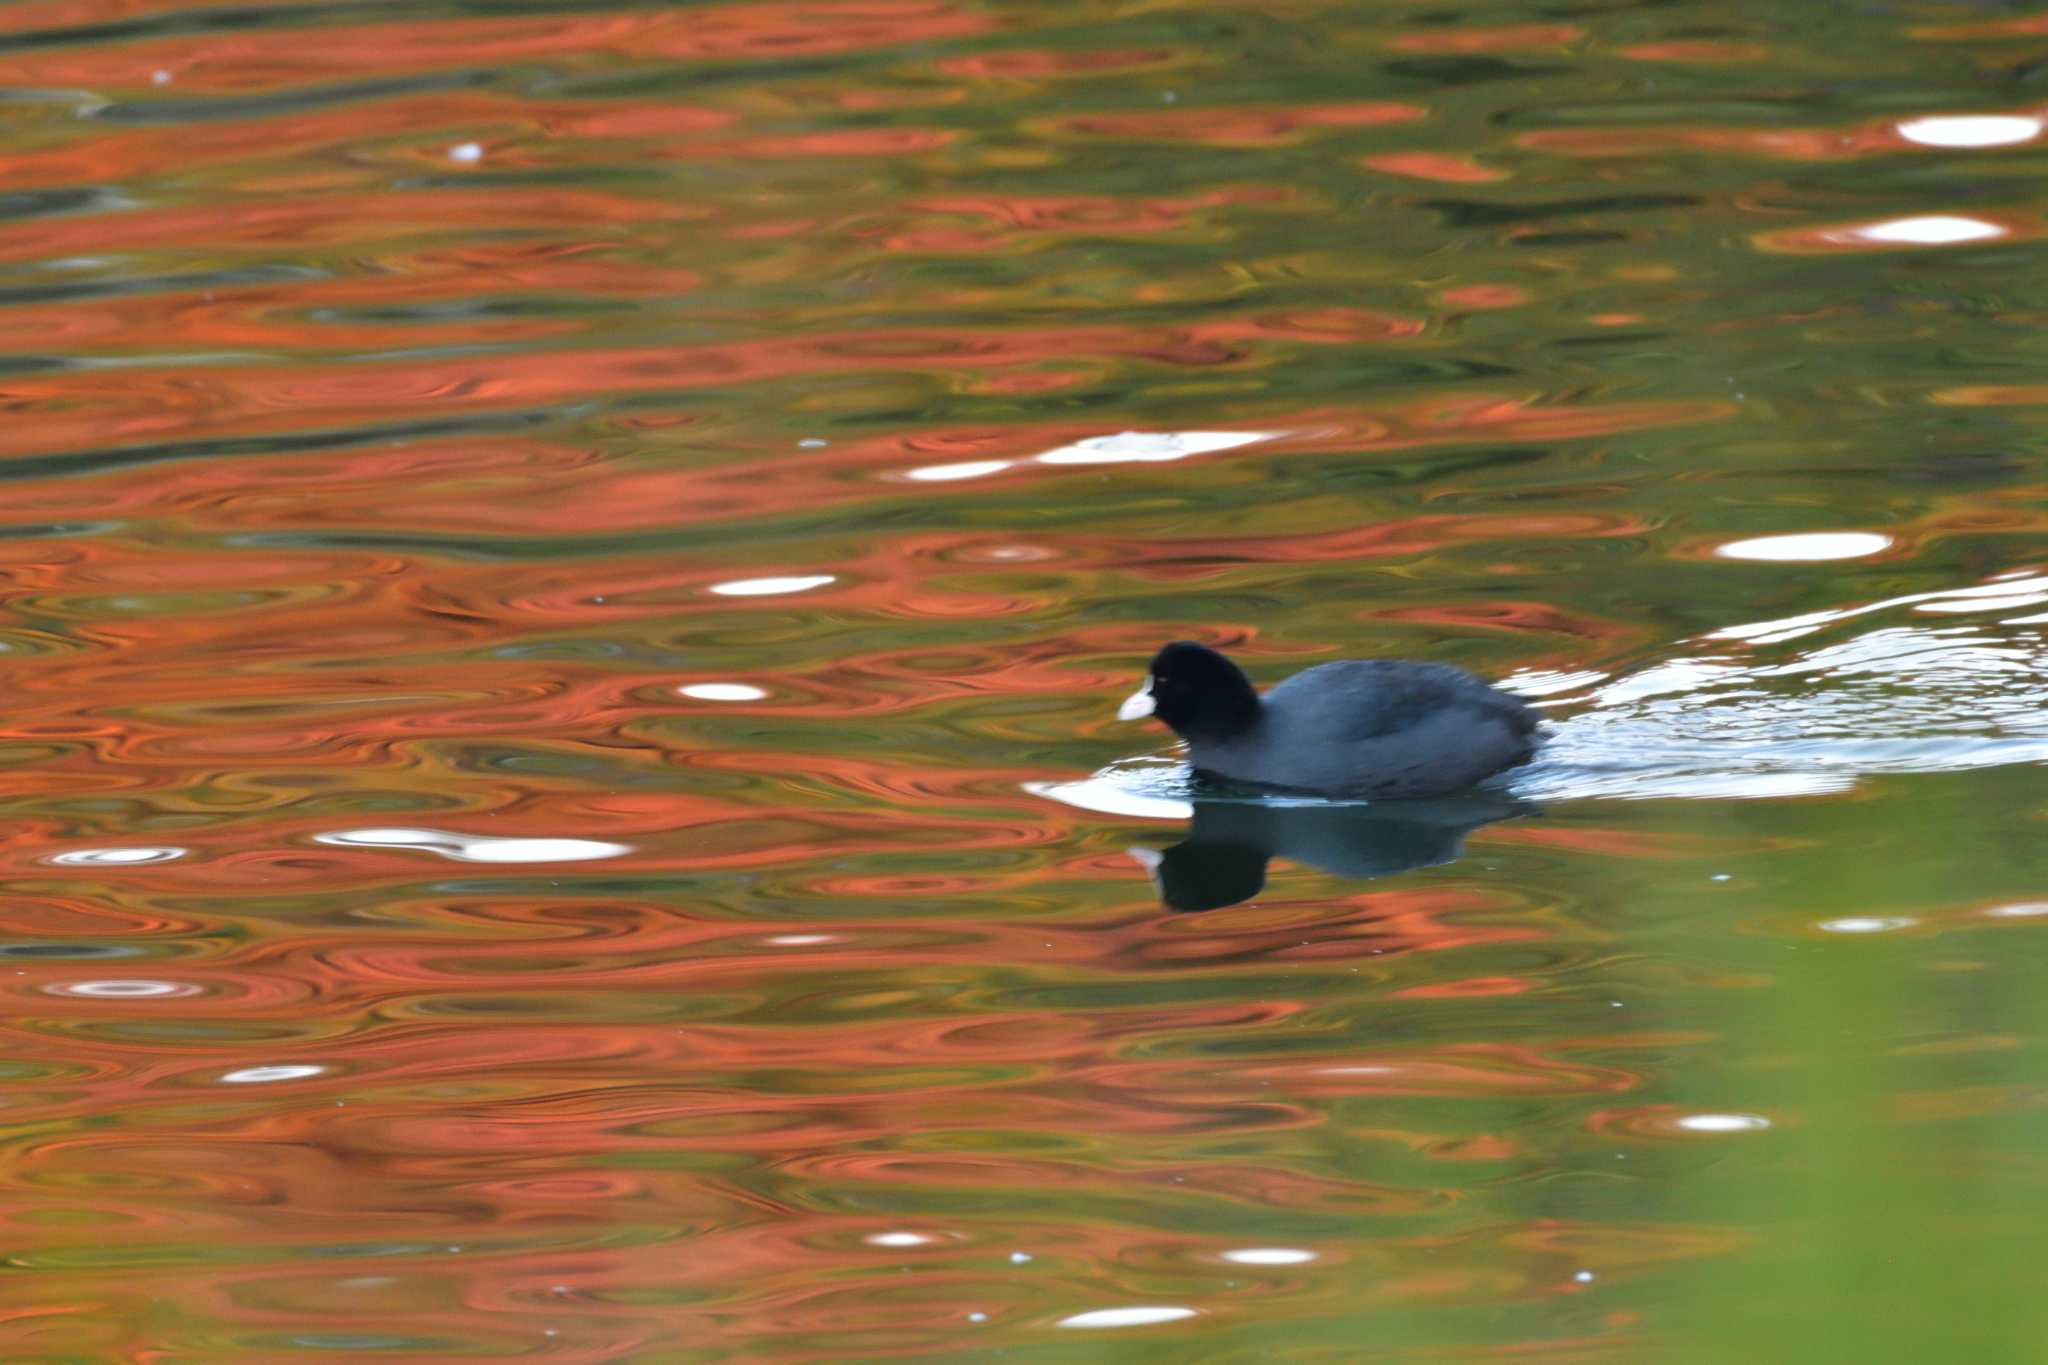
(1135, 1316)
(1121, 789)
(1126, 447)
(129, 989)
(1808, 546)
(116, 857)
(1722, 1123)
(1269, 1256)
(722, 691)
(477, 848)
(1971, 130)
(2005, 594)
(263, 1075)
(966, 469)
(767, 587)
(1146, 447)
(2018, 910)
(1867, 924)
(1934, 229)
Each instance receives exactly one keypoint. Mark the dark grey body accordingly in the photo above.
(1376, 728)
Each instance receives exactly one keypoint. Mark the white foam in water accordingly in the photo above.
(478, 848)
(1971, 130)
(1136, 1316)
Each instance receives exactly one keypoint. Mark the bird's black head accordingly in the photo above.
(1197, 692)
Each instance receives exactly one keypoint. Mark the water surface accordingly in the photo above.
(567, 571)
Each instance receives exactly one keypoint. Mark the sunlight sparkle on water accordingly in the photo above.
(1936, 229)
(966, 469)
(722, 691)
(1126, 447)
(1142, 447)
(2015, 602)
(764, 587)
(125, 990)
(1867, 924)
(1808, 546)
(1994, 596)
(1105, 797)
(478, 848)
(1723, 1123)
(258, 1075)
(117, 857)
(1141, 1316)
(1269, 1256)
(2018, 910)
(1971, 130)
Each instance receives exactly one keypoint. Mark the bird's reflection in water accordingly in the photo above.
(1223, 859)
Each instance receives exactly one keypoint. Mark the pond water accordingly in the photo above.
(568, 570)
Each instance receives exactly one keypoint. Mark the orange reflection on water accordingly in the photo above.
(255, 60)
(1506, 38)
(1444, 167)
(546, 551)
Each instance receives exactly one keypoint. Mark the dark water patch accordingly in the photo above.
(29, 205)
(1469, 213)
(105, 461)
(277, 273)
(1451, 72)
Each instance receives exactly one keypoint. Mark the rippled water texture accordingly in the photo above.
(568, 570)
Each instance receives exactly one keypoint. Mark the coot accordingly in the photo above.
(1374, 728)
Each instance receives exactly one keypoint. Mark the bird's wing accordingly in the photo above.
(1366, 698)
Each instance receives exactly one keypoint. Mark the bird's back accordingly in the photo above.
(1377, 727)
